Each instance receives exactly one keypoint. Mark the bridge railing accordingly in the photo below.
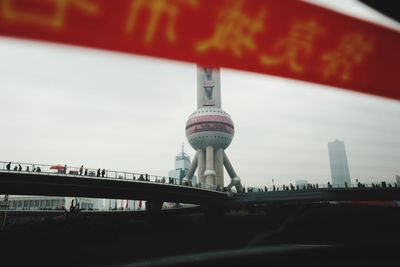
(316, 186)
(46, 169)
(88, 173)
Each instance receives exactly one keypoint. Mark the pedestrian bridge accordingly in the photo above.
(158, 189)
(49, 184)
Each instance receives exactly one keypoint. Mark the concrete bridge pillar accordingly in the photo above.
(153, 206)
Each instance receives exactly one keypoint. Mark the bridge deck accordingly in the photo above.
(28, 183)
(48, 184)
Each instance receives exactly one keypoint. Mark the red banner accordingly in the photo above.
(284, 37)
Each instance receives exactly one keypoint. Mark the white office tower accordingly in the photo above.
(182, 165)
(339, 166)
(122, 204)
(210, 131)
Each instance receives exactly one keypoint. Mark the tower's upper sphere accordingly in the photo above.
(209, 126)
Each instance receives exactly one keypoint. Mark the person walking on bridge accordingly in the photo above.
(81, 170)
(98, 173)
(8, 166)
(103, 172)
(19, 167)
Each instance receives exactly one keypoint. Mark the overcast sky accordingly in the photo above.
(62, 104)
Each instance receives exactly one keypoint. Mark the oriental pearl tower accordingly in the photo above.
(210, 131)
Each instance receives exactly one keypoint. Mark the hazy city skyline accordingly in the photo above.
(76, 106)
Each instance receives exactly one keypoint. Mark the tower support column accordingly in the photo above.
(201, 165)
(219, 167)
(210, 172)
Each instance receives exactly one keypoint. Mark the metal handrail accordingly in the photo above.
(89, 173)
(316, 186)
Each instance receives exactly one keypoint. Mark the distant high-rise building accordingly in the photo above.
(182, 165)
(339, 166)
(52, 203)
(398, 180)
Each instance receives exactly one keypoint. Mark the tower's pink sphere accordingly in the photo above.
(209, 126)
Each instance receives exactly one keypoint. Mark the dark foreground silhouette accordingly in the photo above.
(337, 235)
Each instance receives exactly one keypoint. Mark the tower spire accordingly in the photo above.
(208, 87)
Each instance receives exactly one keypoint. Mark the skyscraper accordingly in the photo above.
(182, 165)
(339, 166)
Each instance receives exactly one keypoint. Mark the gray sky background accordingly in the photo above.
(62, 104)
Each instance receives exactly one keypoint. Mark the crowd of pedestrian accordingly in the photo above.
(18, 167)
(97, 173)
(160, 180)
(291, 187)
(146, 178)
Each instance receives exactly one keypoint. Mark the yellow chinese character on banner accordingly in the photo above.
(156, 9)
(351, 50)
(54, 20)
(298, 42)
(234, 31)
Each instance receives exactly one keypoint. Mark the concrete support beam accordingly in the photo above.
(235, 180)
(192, 169)
(153, 206)
(229, 167)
